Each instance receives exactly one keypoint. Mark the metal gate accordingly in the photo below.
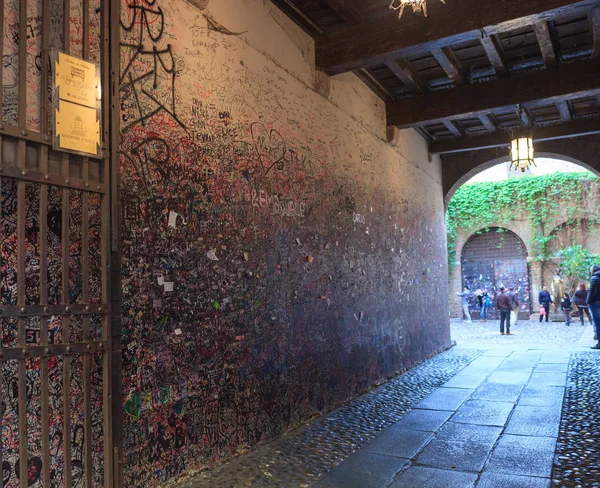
(495, 258)
(55, 262)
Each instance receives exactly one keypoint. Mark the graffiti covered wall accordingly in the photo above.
(279, 257)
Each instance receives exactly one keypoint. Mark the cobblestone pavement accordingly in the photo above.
(577, 462)
(493, 425)
(304, 455)
(525, 333)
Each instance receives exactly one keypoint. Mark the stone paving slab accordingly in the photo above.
(536, 395)
(425, 420)
(482, 434)
(460, 455)
(465, 381)
(482, 412)
(445, 399)
(497, 392)
(364, 470)
(535, 421)
(498, 480)
(552, 368)
(520, 455)
(509, 378)
(549, 379)
(420, 477)
(400, 442)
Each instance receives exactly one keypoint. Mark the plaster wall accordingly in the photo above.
(279, 256)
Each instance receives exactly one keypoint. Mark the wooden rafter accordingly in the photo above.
(453, 128)
(382, 38)
(450, 63)
(501, 138)
(542, 32)
(493, 54)
(595, 21)
(564, 110)
(488, 123)
(403, 70)
(579, 79)
(368, 79)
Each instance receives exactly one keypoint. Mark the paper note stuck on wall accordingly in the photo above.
(169, 286)
(172, 219)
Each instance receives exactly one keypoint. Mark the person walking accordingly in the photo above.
(503, 303)
(545, 300)
(580, 300)
(566, 307)
(483, 301)
(464, 300)
(514, 304)
(593, 301)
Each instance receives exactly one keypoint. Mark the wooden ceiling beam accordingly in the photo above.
(368, 79)
(380, 39)
(578, 79)
(488, 123)
(346, 9)
(449, 62)
(564, 110)
(502, 138)
(454, 130)
(403, 70)
(595, 21)
(542, 32)
(493, 54)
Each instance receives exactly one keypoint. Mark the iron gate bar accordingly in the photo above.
(49, 310)
(51, 179)
(17, 353)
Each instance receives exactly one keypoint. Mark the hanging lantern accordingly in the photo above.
(521, 153)
(418, 6)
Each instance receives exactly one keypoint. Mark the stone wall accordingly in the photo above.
(279, 256)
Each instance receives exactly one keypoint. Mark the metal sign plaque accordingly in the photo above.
(76, 104)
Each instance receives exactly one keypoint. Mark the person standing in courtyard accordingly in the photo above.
(545, 300)
(514, 304)
(503, 302)
(566, 307)
(593, 301)
(483, 301)
(464, 299)
(580, 300)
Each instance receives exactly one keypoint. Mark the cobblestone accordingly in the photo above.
(577, 460)
(303, 456)
(526, 333)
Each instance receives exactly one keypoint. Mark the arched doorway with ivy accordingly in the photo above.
(492, 258)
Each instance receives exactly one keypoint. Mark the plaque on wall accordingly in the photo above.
(76, 105)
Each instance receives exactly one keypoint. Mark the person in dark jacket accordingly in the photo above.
(593, 301)
(503, 302)
(566, 307)
(580, 300)
(545, 300)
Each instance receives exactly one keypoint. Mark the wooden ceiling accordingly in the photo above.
(462, 75)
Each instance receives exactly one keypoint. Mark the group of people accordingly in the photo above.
(586, 300)
(507, 302)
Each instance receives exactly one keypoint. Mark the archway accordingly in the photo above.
(505, 159)
(494, 258)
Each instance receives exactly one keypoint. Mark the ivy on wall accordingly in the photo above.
(478, 206)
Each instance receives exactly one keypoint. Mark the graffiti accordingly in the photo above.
(148, 78)
(253, 291)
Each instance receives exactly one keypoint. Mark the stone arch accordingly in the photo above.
(504, 159)
(458, 168)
